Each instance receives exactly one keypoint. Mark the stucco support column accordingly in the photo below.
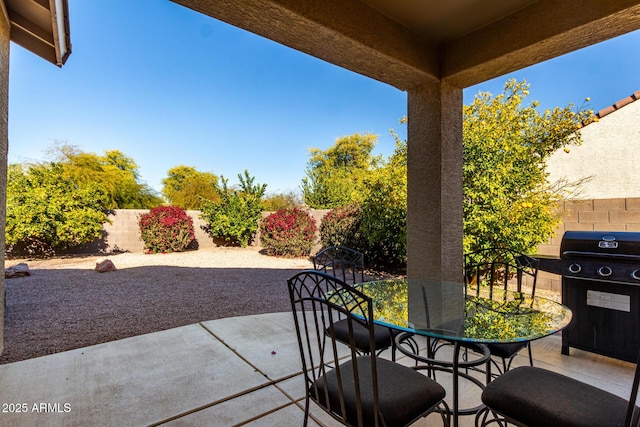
(4, 137)
(434, 206)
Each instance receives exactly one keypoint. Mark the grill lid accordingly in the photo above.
(620, 245)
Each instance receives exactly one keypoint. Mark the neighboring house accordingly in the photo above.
(609, 155)
(609, 158)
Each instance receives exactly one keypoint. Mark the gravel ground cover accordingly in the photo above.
(66, 304)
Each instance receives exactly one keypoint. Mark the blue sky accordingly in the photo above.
(169, 86)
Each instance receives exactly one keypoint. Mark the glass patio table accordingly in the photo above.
(463, 315)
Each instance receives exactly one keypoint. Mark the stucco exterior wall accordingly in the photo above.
(609, 154)
(4, 137)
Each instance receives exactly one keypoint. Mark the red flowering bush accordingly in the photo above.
(166, 229)
(288, 232)
(341, 227)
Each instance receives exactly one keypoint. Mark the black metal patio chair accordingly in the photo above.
(501, 269)
(496, 269)
(357, 390)
(347, 265)
(342, 262)
(536, 397)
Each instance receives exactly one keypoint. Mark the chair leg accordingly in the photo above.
(508, 366)
(499, 369)
(481, 417)
(487, 417)
(306, 411)
(393, 347)
(445, 414)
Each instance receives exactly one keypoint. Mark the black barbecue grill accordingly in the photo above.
(601, 285)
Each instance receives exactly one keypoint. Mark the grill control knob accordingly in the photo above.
(605, 271)
(575, 268)
(636, 274)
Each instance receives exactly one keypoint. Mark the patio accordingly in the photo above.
(244, 371)
(225, 372)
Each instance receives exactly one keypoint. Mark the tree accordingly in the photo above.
(278, 201)
(335, 177)
(116, 173)
(236, 216)
(507, 200)
(188, 188)
(64, 203)
(122, 162)
(383, 210)
(47, 211)
(364, 191)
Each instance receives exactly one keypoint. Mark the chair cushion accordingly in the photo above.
(404, 394)
(506, 350)
(537, 397)
(381, 335)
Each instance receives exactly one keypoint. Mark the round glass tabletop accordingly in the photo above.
(445, 310)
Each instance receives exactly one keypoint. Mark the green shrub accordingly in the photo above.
(235, 218)
(166, 229)
(288, 232)
(377, 225)
(383, 222)
(341, 227)
(47, 212)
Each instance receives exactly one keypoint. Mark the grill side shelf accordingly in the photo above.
(551, 265)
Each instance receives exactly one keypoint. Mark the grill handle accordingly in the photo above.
(600, 255)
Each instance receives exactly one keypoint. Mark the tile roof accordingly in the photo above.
(618, 105)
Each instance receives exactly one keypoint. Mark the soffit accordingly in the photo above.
(408, 43)
(440, 21)
(42, 27)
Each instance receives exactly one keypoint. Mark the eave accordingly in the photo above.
(41, 27)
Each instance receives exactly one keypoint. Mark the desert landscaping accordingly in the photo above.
(64, 303)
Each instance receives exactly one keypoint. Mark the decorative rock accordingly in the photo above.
(104, 266)
(18, 270)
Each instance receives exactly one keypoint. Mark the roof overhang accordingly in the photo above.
(41, 27)
(408, 43)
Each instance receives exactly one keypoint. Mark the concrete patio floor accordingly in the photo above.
(226, 372)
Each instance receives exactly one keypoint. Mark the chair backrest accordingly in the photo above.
(632, 411)
(501, 268)
(319, 300)
(342, 262)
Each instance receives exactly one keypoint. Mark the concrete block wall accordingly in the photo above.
(123, 233)
(620, 214)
